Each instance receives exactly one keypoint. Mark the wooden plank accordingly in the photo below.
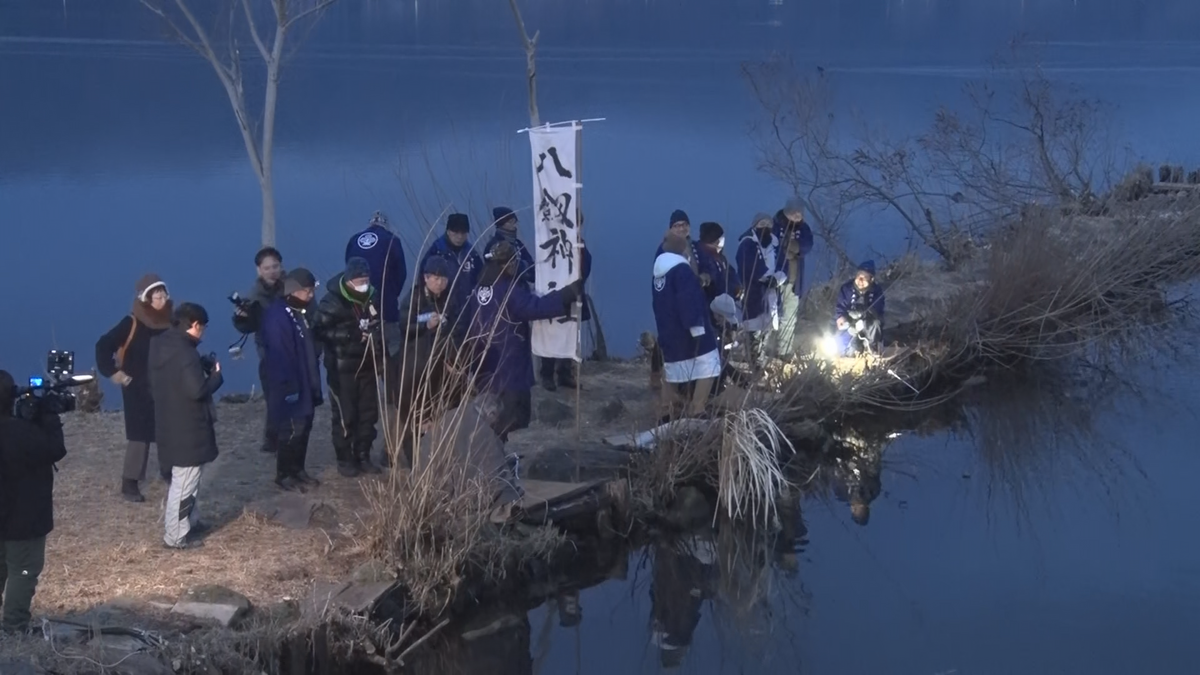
(539, 492)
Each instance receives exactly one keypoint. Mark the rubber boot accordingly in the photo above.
(365, 465)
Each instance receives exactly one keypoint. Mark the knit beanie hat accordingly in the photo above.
(502, 215)
(458, 222)
(357, 268)
(678, 216)
(437, 266)
(711, 233)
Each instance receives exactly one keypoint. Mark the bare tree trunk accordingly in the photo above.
(270, 99)
(530, 44)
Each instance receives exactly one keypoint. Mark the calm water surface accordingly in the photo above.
(118, 154)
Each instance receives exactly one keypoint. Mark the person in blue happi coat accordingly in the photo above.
(795, 242)
(755, 258)
(555, 373)
(498, 334)
(508, 230)
(465, 262)
(722, 289)
(858, 313)
(290, 364)
(382, 250)
(691, 358)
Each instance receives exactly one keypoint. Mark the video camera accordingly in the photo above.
(244, 304)
(49, 394)
(208, 363)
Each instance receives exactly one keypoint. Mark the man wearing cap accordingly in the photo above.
(347, 326)
(384, 254)
(420, 388)
(682, 227)
(858, 313)
(455, 248)
(507, 231)
(290, 355)
(795, 241)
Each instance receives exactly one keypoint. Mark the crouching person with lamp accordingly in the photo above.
(858, 314)
(28, 451)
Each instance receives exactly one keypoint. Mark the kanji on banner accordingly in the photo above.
(556, 250)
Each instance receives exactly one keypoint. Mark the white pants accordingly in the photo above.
(180, 513)
(782, 341)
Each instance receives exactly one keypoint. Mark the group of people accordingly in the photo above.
(413, 351)
(704, 304)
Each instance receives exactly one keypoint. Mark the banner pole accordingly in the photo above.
(578, 365)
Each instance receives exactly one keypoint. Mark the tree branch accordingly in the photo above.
(530, 45)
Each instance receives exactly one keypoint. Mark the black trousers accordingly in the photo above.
(354, 408)
(293, 446)
(270, 433)
(516, 412)
(561, 368)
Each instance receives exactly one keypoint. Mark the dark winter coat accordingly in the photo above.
(525, 267)
(722, 277)
(785, 233)
(338, 327)
(261, 294)
(500, 311)
(851, 300)
(681, 311)
(28, 452)
(752, 269)
(585, 271)
(136, 400)
(289, 364)
(389, 272)
(419, 340)
(183, 401)
(465, 263)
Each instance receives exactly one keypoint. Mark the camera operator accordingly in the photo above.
(247, 318)
(183, 385)
(28, 451)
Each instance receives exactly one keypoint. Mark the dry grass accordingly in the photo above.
(103, 547)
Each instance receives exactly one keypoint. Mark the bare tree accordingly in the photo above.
(530, 45)
(219, 46)
(977, 165)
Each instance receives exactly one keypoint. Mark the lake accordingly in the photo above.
(119, 155)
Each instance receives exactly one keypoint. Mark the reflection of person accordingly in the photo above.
(122, 355)
(681, 583)
(857, 482)
(858, 314)
(28, 451)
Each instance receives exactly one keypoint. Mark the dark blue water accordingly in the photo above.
(119, 155)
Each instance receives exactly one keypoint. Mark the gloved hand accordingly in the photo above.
(120, 379)
(860, 326)
(842, 324)
(705, 279)
(572, 292)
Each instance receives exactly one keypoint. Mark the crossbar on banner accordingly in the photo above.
(551, 125)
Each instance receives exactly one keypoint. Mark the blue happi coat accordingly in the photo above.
(681, 313)
(499, 313)
(803, 236)
(389, 272)
(850, 299)
(753, 269)
(716, 266)
(289, 363)
(465, 262)
(525, 264)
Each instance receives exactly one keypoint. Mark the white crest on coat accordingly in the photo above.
(660, 283)
(484, 295)
(367, 240)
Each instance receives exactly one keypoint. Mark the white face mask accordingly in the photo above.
(361, 288)
(721, 242)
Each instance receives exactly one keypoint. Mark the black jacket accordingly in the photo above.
(419, 341)
(337, 326)
(183, 404)
(135, 397)
(28, 452)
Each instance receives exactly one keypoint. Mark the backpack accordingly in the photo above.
(128, 340)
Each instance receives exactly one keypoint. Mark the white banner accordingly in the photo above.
(556, 243)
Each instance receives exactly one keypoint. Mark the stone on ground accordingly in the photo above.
(215, 603)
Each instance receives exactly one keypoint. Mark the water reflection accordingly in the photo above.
(723, 598)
